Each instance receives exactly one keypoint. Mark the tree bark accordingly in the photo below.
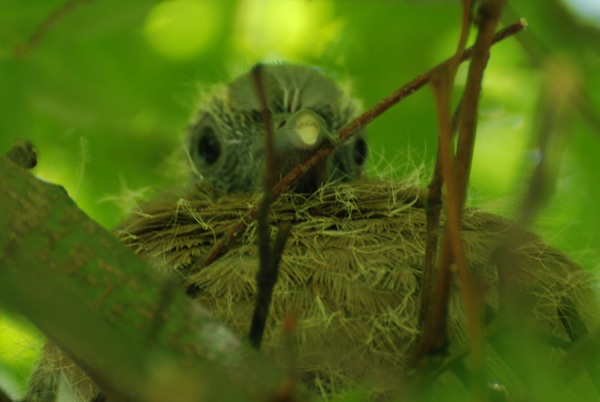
(133, 331)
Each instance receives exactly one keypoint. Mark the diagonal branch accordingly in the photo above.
(344, 134)
(70, 277)
(43, 27)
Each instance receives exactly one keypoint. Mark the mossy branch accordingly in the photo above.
(90, 294)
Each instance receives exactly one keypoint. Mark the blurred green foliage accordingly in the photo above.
(107, 88)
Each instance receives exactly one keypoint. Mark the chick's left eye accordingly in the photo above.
(360, 151)
(208, 148)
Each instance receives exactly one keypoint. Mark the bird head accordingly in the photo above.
(227, 137)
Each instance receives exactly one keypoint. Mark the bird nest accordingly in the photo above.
(350, 274)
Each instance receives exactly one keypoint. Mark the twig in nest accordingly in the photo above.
(269, 258)
(433, 208)
(345, 133)
(266, 279)
(442, 81)
(434, 196)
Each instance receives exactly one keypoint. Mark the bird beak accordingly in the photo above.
(296, 137)
(303, 130)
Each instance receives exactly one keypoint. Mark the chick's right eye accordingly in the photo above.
(208, 148)
(360, 151)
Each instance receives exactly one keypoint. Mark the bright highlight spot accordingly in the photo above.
(290, 29)
(20, 348)
(308, 134)
(586, 9)
(182, 29)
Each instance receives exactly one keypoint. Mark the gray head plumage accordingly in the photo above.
(226, 141)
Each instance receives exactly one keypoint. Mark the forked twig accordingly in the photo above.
(455, 174)
(345, 133)
(442, 83)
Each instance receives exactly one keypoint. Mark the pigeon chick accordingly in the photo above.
(227, 140)
(351, 271)
(226, 146)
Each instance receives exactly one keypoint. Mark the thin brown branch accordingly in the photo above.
(489, 16)
(43, 27)
(266, 116)
(268, 270)
(455, 173)
(264, 236)
(266, 279)
(354, 127)
(467, 12)
(441, 87)
(433, 208)
(433, 336)
(280, 240)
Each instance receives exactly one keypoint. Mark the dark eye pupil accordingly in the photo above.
(209, 148)
(360, 151)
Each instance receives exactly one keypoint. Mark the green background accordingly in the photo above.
(106, 92)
